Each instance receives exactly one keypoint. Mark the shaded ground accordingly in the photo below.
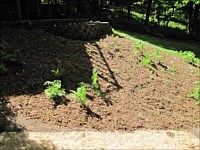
(136, 96)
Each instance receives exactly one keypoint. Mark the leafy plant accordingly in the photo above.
(189, 57)
(157, 55)
(54, 89)
(8, 58)
(95, 84)
(171, 69)
(196, 93)
(146, 60)
(80, 95)
(139, 46)
(57, 72)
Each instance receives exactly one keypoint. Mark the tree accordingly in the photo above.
(149, 3)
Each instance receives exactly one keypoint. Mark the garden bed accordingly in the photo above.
(135, 96)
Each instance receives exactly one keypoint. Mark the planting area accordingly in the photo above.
(133, 86)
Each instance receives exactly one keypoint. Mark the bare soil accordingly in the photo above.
(134, 96)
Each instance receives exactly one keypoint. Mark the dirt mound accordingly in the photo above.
(134, 96)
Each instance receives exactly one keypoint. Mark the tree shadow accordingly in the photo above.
(12, 135)
(114, 81)
(19, 140)
(90, 113)
(42, 52)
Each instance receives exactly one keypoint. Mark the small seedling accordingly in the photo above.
(95, 84)
(146, 60)
(139, 46)
(189, 57)
(134, 52)
(157, 55)
(196, 93)
(80, 95)
(54, 89)
(171, 69)
(106, 46)
(57, 72)
(90, 50)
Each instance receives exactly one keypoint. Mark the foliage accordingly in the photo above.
(8, 57)
(196, 93)
(189, 57)
(80, 95)
(146, 60)
(139, 45)
(54, 89)
(95, 84)
(57, 72)
(157, 55)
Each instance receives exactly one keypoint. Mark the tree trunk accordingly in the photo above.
(38, 2)
(129, 10)
(195, 22)
(158, 13)
(18, 8)
(190, 16)
(148, 12)
(198, 30)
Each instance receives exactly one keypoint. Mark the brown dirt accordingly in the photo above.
(136, 96)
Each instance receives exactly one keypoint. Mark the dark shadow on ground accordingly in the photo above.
(19, 140)
(42, 52)
(12, 136)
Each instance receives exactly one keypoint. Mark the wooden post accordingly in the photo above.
(48, 9)
(18, 8)
(38, 8)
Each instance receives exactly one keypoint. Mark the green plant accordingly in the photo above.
(8, 57)
(134, 52)
(139, 46)
(189, 57)
(80, 95)
(171, 69)
(95, 84)
(57, 72)
(54, 89)
(195, 93)
(157, 55)
(146, 60)
(91, 50)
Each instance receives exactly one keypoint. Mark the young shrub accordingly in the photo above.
(54, 89)
(146, 60)
(57, 72)
(196, 93)
(95, 84)
(140, 47)
(189, 57)
(8, 57)
(157, 55)
(80, 95)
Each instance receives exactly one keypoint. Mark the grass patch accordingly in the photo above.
(168, 45)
